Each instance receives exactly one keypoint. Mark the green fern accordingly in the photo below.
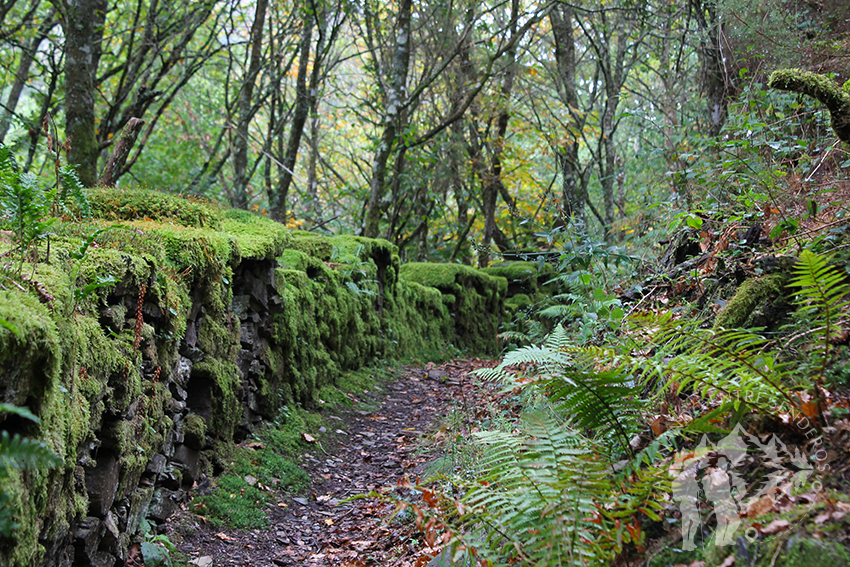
(820, 298)
(17, 452)
(537, 497)
(24, 207)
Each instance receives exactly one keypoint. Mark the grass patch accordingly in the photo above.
(253, 480)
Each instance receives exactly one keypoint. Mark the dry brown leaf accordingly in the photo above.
(224, 537)
(775, 526)
(308, 438)
(728, 562)
(821, 518)
(759, 507)
(658, 424)
(807, 406)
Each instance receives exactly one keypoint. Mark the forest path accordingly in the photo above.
(380, 446)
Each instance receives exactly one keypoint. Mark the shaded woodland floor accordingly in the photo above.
(377, 444)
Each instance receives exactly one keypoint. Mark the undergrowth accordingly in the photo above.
(583, 471)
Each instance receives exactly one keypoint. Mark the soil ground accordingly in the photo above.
(372, 450)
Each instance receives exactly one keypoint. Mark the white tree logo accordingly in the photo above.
(710, 471)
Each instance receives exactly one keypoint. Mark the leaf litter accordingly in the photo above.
(377, 452)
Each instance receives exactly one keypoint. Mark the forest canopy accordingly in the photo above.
(460, 131)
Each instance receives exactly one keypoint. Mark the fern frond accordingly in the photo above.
(17, 452)
(822, 289)
(605, 404)
(19, 411)
(535, 501)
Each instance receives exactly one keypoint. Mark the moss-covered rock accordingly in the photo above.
(750, 295)
(528, 278)
(475, 301)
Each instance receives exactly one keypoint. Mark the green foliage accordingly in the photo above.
(24, 207)
(239, 503)
(71, 195)
(582, 271)
(821, 293)
(565, 484)
(140, 204)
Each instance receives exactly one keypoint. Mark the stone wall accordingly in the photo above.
(215, 319)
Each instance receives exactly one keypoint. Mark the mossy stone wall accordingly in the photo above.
(217, 319)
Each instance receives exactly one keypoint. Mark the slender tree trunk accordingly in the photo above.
(239, 198)
(394, 100)
(491, 173)
(561, 19)
(717, 85)
(305, 99)
(314, 205)
(82, 24)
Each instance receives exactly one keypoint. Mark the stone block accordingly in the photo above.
(102, 483)
(189, 459)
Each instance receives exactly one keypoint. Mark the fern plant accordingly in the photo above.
(24, 207)
(16, 453)
(821, 300)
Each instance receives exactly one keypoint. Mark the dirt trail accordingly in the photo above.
(377, 449)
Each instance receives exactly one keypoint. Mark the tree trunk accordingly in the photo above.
(717, 85)
(305, 99)
(116, 161)
(572, 187)
(239, 199)
(314, 205)
(82, 24)
(394, 100)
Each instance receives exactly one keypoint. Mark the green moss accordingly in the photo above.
(84, 370)
(143, 204)
(258, 237)
(294, 260)
(475, 300)
(749, 295)
(820, 87)
(311, 245)
(194, 431)
(517, 302)
(812, 553)
(226, 379)
(30, 361)
(527, 278)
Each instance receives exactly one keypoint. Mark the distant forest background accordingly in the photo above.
(458, 130)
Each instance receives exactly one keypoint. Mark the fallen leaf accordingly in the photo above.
(224, 537)
(658, 425)
(308, 438)
(807, 406)
(775, 526)
(759, 507)
(329, 521)
(728, 562)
